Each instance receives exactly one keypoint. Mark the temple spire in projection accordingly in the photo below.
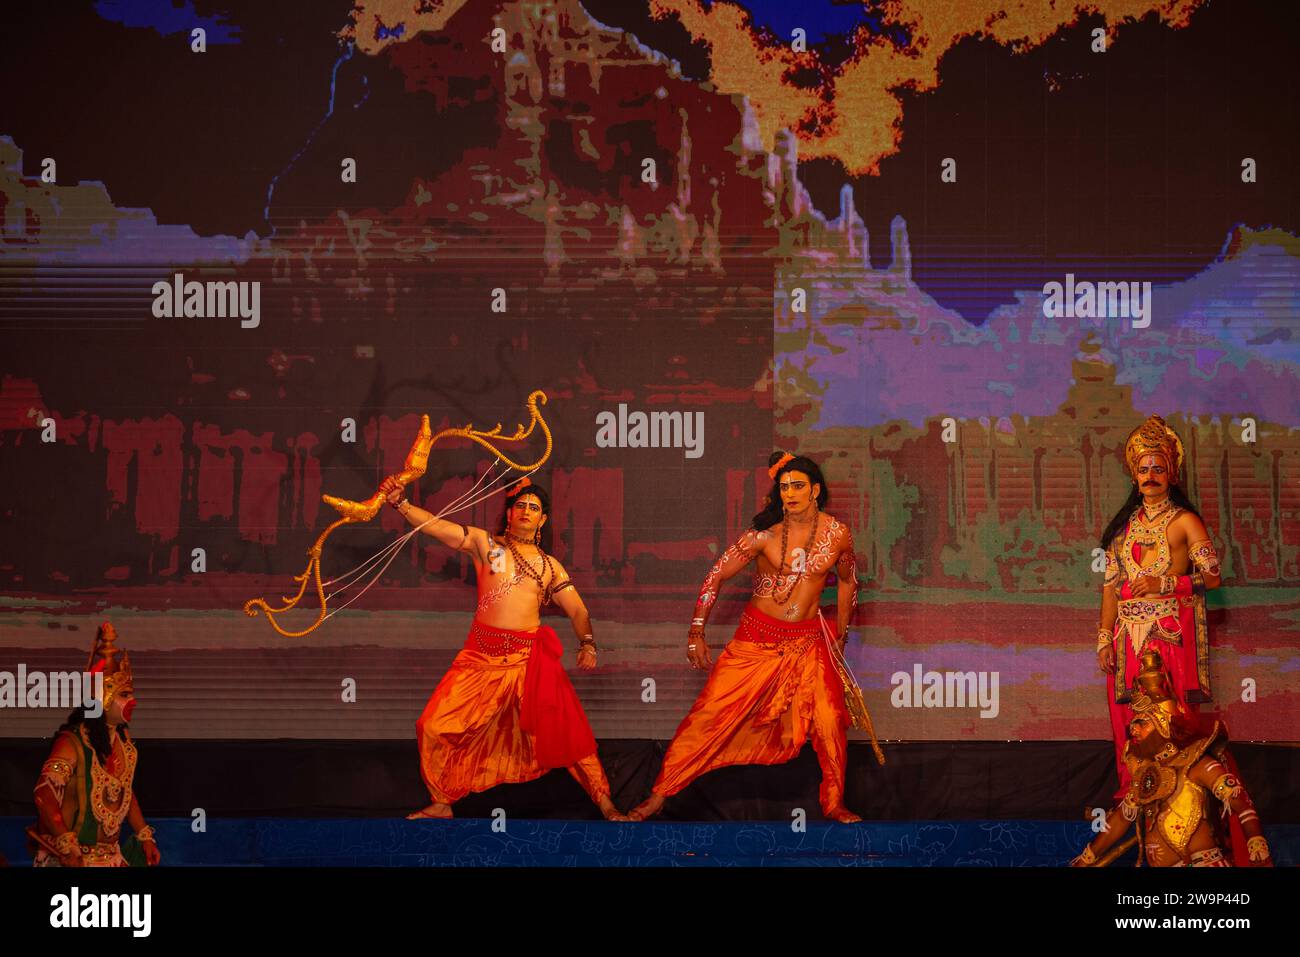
(902, 248)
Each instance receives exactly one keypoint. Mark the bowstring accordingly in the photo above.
(466, 501)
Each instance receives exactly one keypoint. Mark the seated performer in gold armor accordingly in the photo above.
(84, 792)
(1175, 767)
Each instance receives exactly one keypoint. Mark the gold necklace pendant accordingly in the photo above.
(1155, 511)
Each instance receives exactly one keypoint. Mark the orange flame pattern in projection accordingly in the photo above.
(868, 84)
(856, 114)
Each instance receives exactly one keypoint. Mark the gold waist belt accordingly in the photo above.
(100, 852)
(1140, 610)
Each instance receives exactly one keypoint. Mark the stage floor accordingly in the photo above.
(473, 842)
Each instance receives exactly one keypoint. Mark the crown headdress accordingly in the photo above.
(1153, 437)
(113, 662)
(1152, 696)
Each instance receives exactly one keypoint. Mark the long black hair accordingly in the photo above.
(772, 511)
(517, 492)
(1121, 518)
(96, 731)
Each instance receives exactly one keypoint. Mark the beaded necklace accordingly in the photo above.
(523, 567)
(785, 536)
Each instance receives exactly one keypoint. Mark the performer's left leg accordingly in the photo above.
(829, 720)
(590, 773)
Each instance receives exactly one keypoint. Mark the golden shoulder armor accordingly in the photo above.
(1153, 782)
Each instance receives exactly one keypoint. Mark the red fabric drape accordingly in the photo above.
(550, 710)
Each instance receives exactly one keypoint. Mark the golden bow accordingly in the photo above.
(416, 461)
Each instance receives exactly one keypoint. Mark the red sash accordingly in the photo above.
(551, 711)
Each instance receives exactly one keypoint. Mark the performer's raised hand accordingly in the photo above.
(391, 489)
(697, 649)
(1106, 659)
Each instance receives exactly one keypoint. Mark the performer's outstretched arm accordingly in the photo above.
(1225, 786)
(463, 538)
(565, 595)
(731, 562)
(1118, 820)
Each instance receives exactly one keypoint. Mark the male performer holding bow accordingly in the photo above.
(1159, 564)
(84, 792)
(506, 712)
(776, 682)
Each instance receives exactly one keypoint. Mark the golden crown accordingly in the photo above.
(1152, 695)
(1153, 437)
(111, 661)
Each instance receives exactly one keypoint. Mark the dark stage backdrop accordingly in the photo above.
(845, 249)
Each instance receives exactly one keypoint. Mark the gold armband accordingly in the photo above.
(1204, 557)
(55, 774)
(57, 769)
(1112, 569)
(1226, 787)
(1257, 848)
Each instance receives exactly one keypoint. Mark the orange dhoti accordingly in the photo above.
(771, 688)
(477, 732)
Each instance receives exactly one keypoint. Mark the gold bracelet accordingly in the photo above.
(1257, 845)
(1104, 638)
(1087, 856)
(145, 834)
(66, 843)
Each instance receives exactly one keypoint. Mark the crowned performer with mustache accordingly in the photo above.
(775, 684)
(1159, 564)
(506, 712)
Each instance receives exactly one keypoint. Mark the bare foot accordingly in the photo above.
(441, 811)
(611, 812)
(647, 808)
(843, 815)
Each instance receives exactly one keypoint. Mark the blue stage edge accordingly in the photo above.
(473, 842)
